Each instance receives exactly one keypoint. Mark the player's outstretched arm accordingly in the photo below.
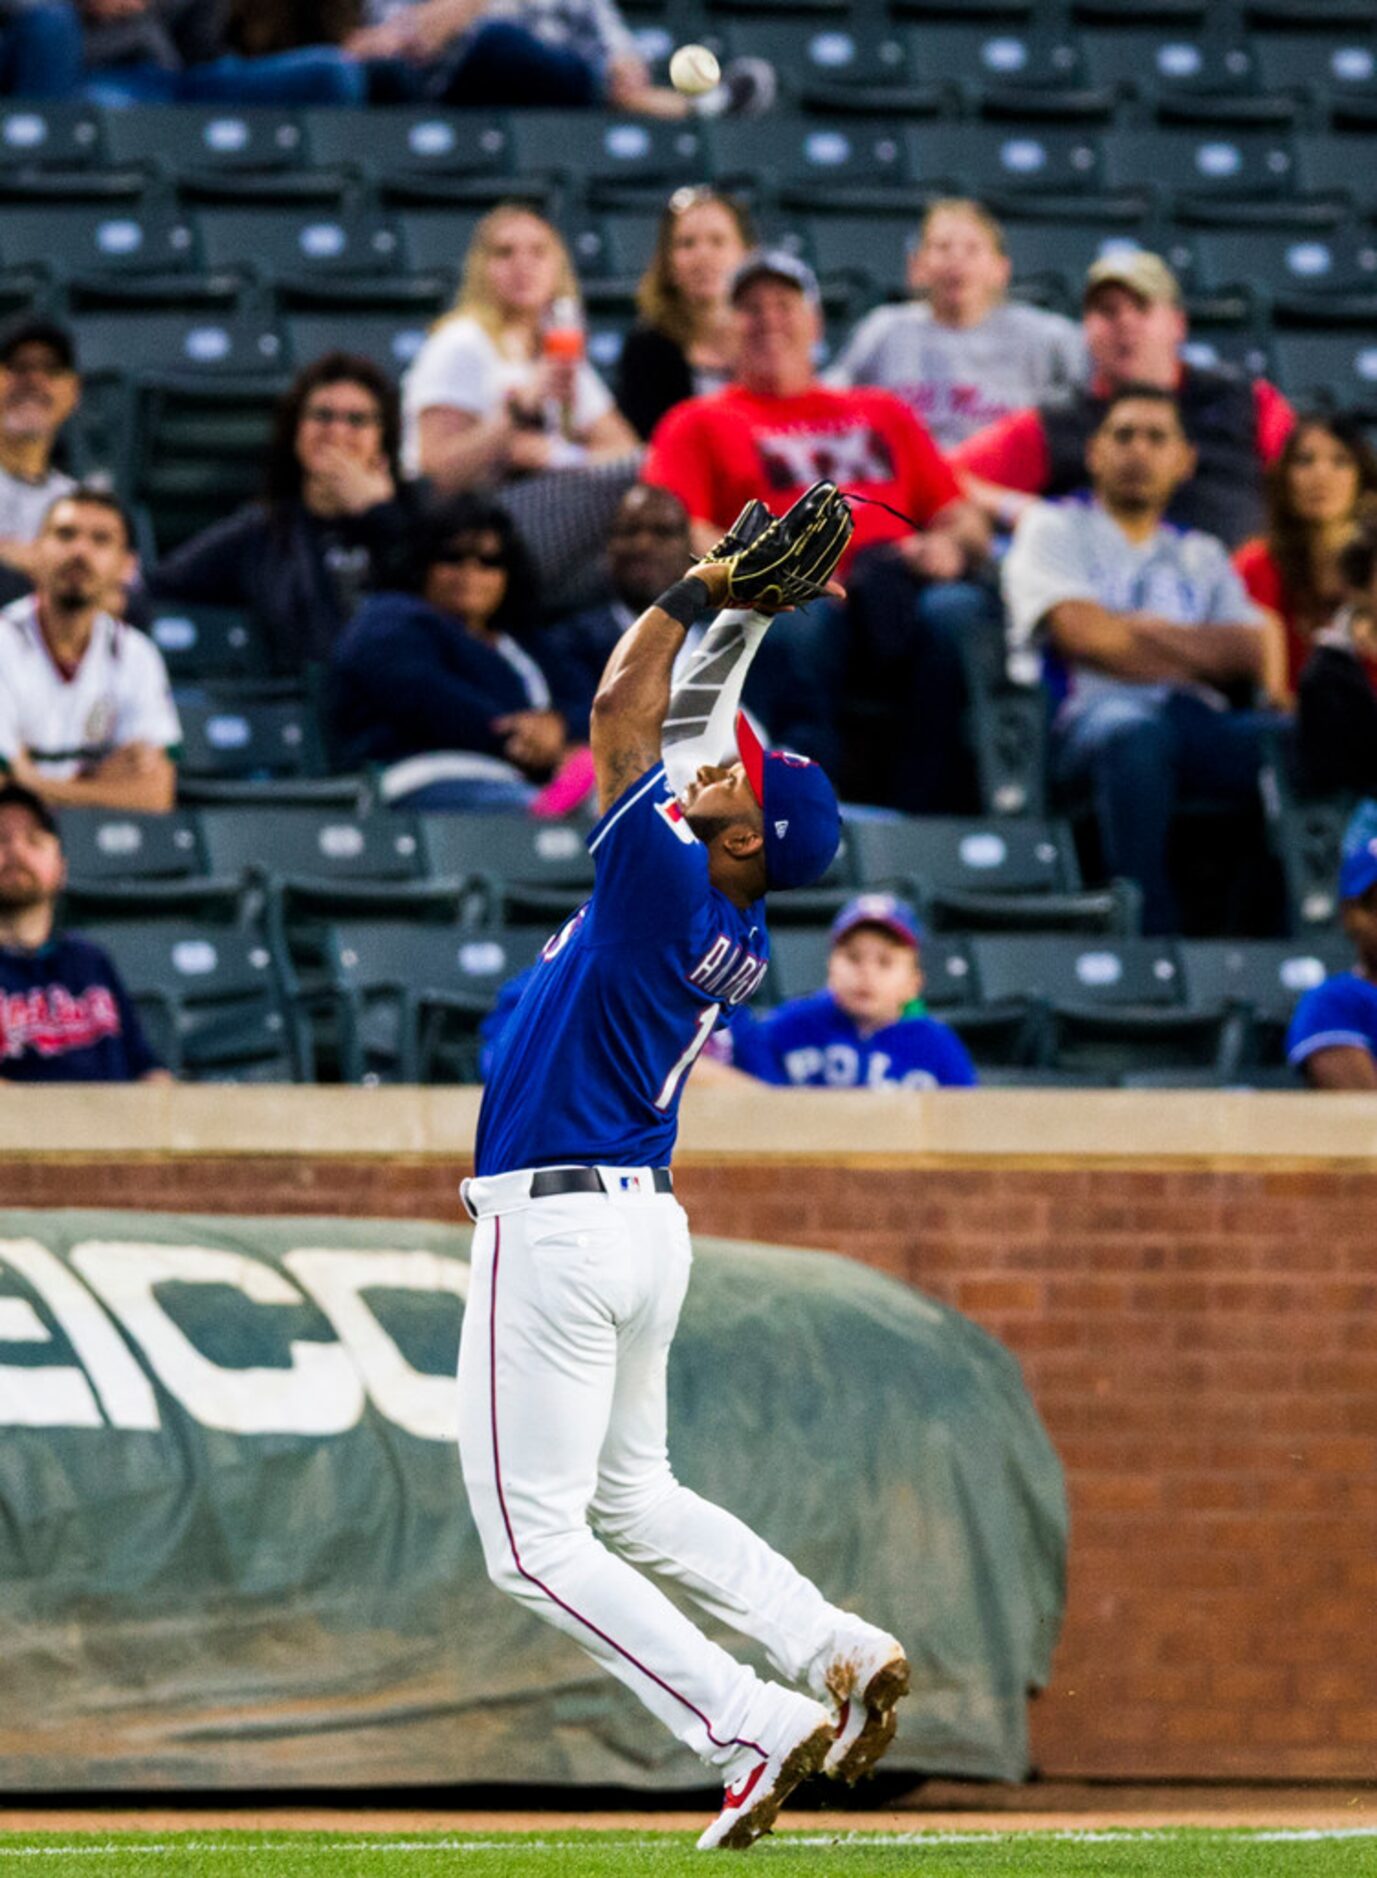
(632, 698)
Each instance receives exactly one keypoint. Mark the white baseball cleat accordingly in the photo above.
(750, 1804)
(868, 1682)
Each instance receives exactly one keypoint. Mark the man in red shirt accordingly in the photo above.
(1135, 326)
(772, 433)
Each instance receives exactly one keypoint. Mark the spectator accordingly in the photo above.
(683, 345)
(770, 434)
(86, 713)
(486, 398)
(39, 391)
(530, 52)
(964, 356)
(438, 684)
(334, 515)
(867, 1030)
(179, 52)
(1134, 328)
(40, 48)
(1336, 696)
(1153, 623)
(64, 1015)
(1314, 488)
(1332, 1040)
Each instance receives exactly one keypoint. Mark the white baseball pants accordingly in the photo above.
(572, 1307)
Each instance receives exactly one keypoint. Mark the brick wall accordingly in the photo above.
(1201, 1341)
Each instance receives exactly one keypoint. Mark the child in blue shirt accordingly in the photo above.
(858, 1033)
(1333, 1036)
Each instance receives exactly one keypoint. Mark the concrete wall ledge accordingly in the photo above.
(1211, 1127)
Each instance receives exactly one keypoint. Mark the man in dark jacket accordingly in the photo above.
(1135, 326)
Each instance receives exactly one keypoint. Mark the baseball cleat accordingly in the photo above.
(749, 1805)
(868, 1684)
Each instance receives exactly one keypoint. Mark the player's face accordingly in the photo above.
(959, 266)
(1322, 481)
(1360, 923)
(777, 327)
(1132, 340)
(31, 867)
(342, 419)
(468, 577)
(523, 266)
(37, 392)
(704, 248)
(873, 975)
(1139, 455)
(720, 793)
(82, 554)
(648, 546)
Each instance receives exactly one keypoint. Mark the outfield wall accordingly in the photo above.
(1190, 1282)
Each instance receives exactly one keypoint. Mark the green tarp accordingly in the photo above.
(235, 1551)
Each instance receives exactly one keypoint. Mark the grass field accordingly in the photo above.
(1109, 1853)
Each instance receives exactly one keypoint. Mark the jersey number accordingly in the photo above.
(670, 1087)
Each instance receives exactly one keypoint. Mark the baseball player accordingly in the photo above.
(581, 1254)
(862, 1031)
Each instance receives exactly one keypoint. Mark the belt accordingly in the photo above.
(547, 1183)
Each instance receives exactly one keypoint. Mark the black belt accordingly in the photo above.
(547, 1183)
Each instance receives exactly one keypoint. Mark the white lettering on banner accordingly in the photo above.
(320, 1393)
(40, 1395)
(425, 1406)
(121, 1387)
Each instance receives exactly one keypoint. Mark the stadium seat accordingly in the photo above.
(1051, 257)
(207, 642)
(1007, 162)
(193, 447)
(1331, 367)
(217, 994)
(1264, 978)
(434, 241)
(1009, 69)
(1337, 69)
(391, 340)
(846, 66)
(1110, 1006)
(249, 741)
(1190, 166)
(513, 866)
(1209, 78)
(419, 154)
(39, 134)
(846, 164)
(621, 158)
(1309, 269)
(232, 345)
(409, 998)
(1015, 874)
(123, 240)
(1307, 839)
(870, 250)
(123, 865)
(282, 243)
(1181, 14)
(1338, 167)
(221, 152)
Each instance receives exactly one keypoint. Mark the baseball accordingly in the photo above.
(694, 70)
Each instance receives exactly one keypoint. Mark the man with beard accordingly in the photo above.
(86, 712)
(1152, 623)
(64, 1015)
(39, 390)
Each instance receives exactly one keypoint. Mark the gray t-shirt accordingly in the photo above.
(960, 380)
(24, 504)
(1073, 550)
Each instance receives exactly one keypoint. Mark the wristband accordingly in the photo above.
(685, 600)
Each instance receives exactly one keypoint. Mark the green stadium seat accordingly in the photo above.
(207, 642)
(1229, 167)
(249, 741)
(218, 995)
(1265, 978)
(195, 448)
(276, 242)
(621, 158)
(391, 340)
(40, 134)
(123, 865)
(230, 345)
(1014, 70)
(845, 66)
(419, 154)
(435, 241)
(847, 164)
(1005, 162)
(77, 239)
(1335, 367)
(222, 152)
(514, 866)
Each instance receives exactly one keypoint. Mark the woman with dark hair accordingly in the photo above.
(439, 684)
(335, 513)
(682, 345)
(1314, 490)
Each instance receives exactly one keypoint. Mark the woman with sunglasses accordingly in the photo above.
(441, 687)
(683, 344)
(335, 513)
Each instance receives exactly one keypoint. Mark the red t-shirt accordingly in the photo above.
(1013, 452)
(716, 453)
(1260, 574)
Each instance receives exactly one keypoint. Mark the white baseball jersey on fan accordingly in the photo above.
(119, 694)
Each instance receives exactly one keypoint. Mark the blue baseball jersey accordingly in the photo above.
(590, 1066)
(1339, 1014)
(66, 1017)
(813, 1043)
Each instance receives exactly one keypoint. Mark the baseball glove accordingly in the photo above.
(790, 561)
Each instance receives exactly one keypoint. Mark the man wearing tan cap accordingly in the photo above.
(1134, 327)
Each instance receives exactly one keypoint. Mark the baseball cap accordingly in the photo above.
(1142, 273)
(802, 820)
(774, 264)
(1358, 869)
(13, 794)
(885, 910)
(38, 332)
